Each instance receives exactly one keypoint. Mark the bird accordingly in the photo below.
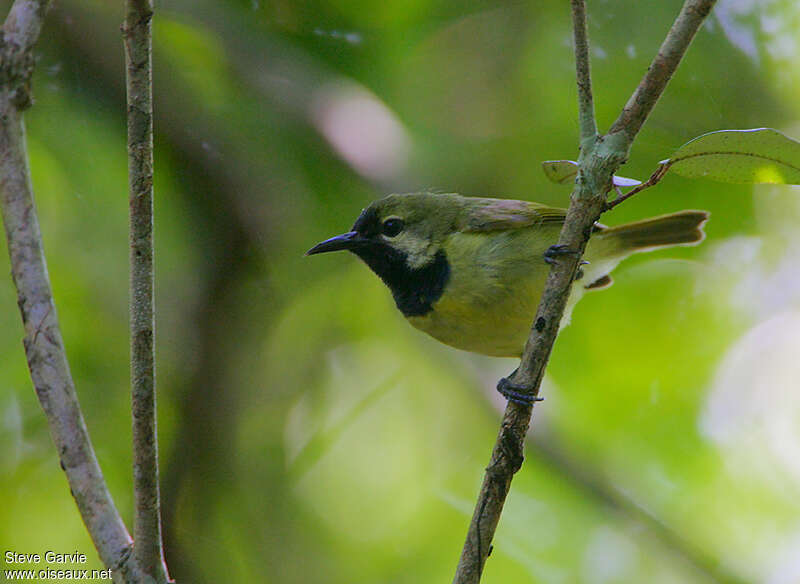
(470, 271)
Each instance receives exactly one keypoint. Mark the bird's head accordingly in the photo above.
(398, 232)
(400, 238)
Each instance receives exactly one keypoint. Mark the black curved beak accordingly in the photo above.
(348, 240)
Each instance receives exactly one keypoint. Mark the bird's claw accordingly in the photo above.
(556, 251)
(516, 392)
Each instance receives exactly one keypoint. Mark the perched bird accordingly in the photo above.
(470, 271)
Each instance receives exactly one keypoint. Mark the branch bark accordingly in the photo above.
(44, 346)
(580, 39)
(148, 548)
(664, 64)
(600, 157)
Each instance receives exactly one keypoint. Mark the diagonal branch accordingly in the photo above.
(137, 33)
(664, 64)
(44, 346)
(600, 157)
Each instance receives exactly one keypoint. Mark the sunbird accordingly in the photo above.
(470, 271)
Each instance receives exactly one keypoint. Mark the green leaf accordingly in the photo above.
(761, 155)
(564, 171)
(560, 171)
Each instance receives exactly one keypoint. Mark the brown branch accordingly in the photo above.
(137, 33)
(669, 56)
(654, 179)
(600, 157)
(44, 346)
(588, 125)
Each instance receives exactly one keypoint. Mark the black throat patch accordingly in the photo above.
(414, 289)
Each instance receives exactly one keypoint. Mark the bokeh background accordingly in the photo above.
(308, 434)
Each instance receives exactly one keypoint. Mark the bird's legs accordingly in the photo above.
(556, 251)
(516, 392)
(553, 252)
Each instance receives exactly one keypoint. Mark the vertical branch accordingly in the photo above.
(44, 346)
(147, 547)
(507, 454)
(599, 158)
(588, 125)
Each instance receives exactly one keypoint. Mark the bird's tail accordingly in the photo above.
(681, 228)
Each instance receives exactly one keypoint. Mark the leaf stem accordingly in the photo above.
(654, 179)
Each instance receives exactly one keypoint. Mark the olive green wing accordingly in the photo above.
(507, 214)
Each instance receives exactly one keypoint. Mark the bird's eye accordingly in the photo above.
(392, 227)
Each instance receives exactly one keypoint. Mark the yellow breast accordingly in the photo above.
(495, 284)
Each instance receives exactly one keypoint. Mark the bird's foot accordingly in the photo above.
(556, 251)
(517, 392)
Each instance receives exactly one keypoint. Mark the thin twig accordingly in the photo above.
(588, 125)
(599, 159)
(137, 33)
(654, 179)
(664, 64)
(44, 346)
(507, 455)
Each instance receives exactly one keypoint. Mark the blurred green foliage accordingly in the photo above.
(308, 434)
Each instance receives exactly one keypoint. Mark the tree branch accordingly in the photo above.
(588, 124)
(44, 346)
(600, 157)
(148, 548)
(654, 179)
(669, 56)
